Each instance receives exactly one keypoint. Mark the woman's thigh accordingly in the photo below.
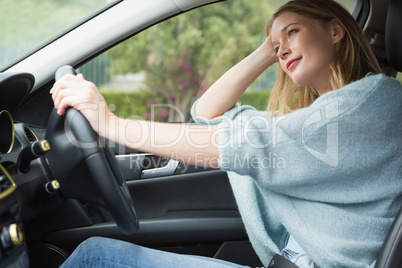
(106, 253)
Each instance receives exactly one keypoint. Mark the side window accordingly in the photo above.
(159, 73)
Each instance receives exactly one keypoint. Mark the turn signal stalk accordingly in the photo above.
(31, 152)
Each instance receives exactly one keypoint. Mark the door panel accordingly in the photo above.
(186, 208)
(200, 191)
(191, 213)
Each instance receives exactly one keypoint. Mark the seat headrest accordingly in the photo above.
(393, 36)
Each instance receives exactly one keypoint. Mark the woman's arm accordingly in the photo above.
(228, 89)
(189, 143)
(193, 144)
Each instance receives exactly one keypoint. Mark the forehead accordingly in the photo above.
(289, 18)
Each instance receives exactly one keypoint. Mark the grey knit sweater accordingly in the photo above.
(329, 174)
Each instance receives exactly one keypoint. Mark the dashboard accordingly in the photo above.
(19, 147)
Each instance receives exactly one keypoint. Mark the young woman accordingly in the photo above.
(332, 125)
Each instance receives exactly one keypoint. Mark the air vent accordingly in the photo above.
(30, 134)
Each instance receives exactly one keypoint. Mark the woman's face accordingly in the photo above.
(305, 49)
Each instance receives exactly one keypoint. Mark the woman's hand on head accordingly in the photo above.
(269, 50)
(75, 91)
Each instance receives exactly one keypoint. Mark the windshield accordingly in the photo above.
(27, 25)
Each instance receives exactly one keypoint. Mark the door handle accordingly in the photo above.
(167, 170)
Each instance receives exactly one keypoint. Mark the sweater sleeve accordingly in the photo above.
(276, 149)
(252, 144)
(228, 115)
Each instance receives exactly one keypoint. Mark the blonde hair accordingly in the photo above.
(352, 62)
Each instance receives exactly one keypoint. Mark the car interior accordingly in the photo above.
(60, 183)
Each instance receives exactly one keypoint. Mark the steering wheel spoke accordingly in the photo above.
(86, 170)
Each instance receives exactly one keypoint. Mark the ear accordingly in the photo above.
(337, 31)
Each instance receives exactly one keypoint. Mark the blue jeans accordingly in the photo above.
(100, 252)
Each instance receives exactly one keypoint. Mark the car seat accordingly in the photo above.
(390, 255)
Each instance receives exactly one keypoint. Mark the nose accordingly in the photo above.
(284, 51)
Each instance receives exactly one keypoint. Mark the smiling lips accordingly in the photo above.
(291, 63)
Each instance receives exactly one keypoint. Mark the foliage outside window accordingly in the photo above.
(183, 56)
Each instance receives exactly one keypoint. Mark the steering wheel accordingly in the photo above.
(86, 170)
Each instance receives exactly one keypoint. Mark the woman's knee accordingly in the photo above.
(91, 243)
